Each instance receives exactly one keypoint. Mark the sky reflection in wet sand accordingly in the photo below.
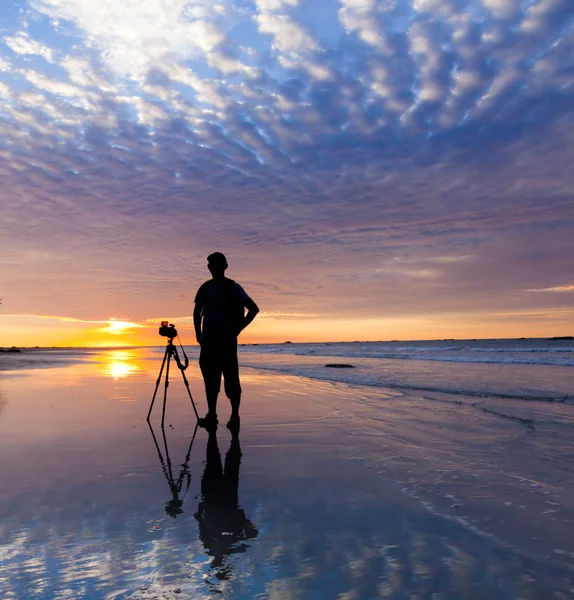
(84, 495)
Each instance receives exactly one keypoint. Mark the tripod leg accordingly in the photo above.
(182, 369)
(166, 386)
(189, 393)
(157, 383)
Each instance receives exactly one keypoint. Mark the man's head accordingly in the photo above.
(217, 263)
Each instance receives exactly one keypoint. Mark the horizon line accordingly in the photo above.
(132, 346)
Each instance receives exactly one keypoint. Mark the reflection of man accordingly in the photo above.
(219, 318)
(223, 526)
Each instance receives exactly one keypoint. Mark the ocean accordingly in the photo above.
(529, 369)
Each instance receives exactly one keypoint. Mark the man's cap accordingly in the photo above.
(217, 258)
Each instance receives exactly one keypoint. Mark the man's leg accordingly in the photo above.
(232, 384)
(212, 403)
(211, 371)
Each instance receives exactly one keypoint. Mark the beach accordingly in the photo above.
(430, 470)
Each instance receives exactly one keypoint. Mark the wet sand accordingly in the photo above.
(329, 491)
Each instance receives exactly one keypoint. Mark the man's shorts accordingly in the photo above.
(217, 359)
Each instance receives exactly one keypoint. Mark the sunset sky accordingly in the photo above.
(373, 169)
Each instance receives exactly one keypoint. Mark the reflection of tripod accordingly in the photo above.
(170, 351)
(173, 506)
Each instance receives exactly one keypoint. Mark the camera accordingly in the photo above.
(168, 331)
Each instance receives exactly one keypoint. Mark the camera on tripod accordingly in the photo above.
(168, 331)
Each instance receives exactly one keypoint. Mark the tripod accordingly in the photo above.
(171, 350)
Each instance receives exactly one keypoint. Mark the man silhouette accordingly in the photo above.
(219, 317)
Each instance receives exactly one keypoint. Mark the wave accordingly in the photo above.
(519, 350)
(547, 359)
(515, 360)
(378, 381)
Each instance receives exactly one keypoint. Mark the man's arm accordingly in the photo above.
(252, 310)
(197, 321)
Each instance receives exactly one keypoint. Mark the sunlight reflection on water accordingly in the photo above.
(120, 363)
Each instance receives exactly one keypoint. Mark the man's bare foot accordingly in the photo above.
(233, 422)
(208, 422)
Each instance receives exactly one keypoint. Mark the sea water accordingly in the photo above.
(530, 369)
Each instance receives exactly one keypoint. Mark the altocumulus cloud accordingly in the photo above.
(327, 146)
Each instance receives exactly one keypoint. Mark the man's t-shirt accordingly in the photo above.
(222, 303)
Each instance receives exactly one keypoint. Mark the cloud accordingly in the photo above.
(397, 156)
(558, 288)
(22, 43)
(133, 36)
(111, 324)
(288, 315)
(360, 17)
(288, 36)
(276, 5)
(502, 9)
(59, 88)
(116, 327)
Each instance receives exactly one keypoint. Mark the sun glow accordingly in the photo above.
(117, 327)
